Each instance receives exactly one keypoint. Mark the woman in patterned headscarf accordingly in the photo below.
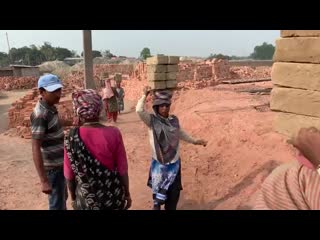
(165, 134)
(95, 162)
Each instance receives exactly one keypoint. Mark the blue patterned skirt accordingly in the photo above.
(161, 177)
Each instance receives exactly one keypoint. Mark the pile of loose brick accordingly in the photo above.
(211, 70)
(126, 69)
(12, 83)
(220, 69)
(190, 84)
(140, 72)
(204, 74)
(296, 76)
(192, 75)
(215, 70)
(186, 71)
(162, 72)
(19, 113)
(76, 77)
(246, 72)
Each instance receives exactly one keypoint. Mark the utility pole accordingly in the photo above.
(88, 61)
(8, 48)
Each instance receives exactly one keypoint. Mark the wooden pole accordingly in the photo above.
(88, 61)
(9, 54)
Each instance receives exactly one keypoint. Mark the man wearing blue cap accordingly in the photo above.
(47, 141)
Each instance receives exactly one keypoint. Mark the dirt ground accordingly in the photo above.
(6, 98)
(242, 150)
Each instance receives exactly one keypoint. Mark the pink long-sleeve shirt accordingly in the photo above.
(106, 145)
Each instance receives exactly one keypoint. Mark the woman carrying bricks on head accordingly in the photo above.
(95, 162)
(121, 95)
(105, 91)
(109, 96)
(165, 133)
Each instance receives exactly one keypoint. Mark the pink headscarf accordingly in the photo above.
(87, 104)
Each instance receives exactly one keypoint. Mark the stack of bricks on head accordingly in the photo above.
(118, 77)
(162, 72)
(296, 76)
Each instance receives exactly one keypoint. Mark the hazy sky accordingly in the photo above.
(130, 42)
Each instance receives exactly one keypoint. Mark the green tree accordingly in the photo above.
(62, 53)
(145, 53)
(48, 51)
(34, 55)
(4, 59)
(95, 54)
(219, 56)
(27, 55)
(107, 54)
(263, 52)
(20, 55)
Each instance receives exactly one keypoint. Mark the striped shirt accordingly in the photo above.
(45, 126)
(290, 187)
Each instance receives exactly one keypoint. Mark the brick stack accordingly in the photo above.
(203, 72)
(220, 69)
(126, 69)
(11, 83)
(19, 113)
(162, 72)
(118, 77)
(245, 72)
(186, 71)
(296, 76)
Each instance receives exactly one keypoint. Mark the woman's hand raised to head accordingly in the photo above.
(146, 90)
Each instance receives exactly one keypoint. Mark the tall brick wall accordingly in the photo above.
(295, 74)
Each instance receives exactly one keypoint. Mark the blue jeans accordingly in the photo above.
(57, 199)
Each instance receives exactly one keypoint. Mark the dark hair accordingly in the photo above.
(42, 90)
(156, 108)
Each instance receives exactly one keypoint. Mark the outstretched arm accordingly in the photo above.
(187, 138)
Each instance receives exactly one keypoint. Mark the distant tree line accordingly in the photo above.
(260, 52)
(35, 55)
(263, 52)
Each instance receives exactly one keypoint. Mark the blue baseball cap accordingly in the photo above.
(49, 82)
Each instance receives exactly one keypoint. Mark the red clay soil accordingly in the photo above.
(242, 150)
